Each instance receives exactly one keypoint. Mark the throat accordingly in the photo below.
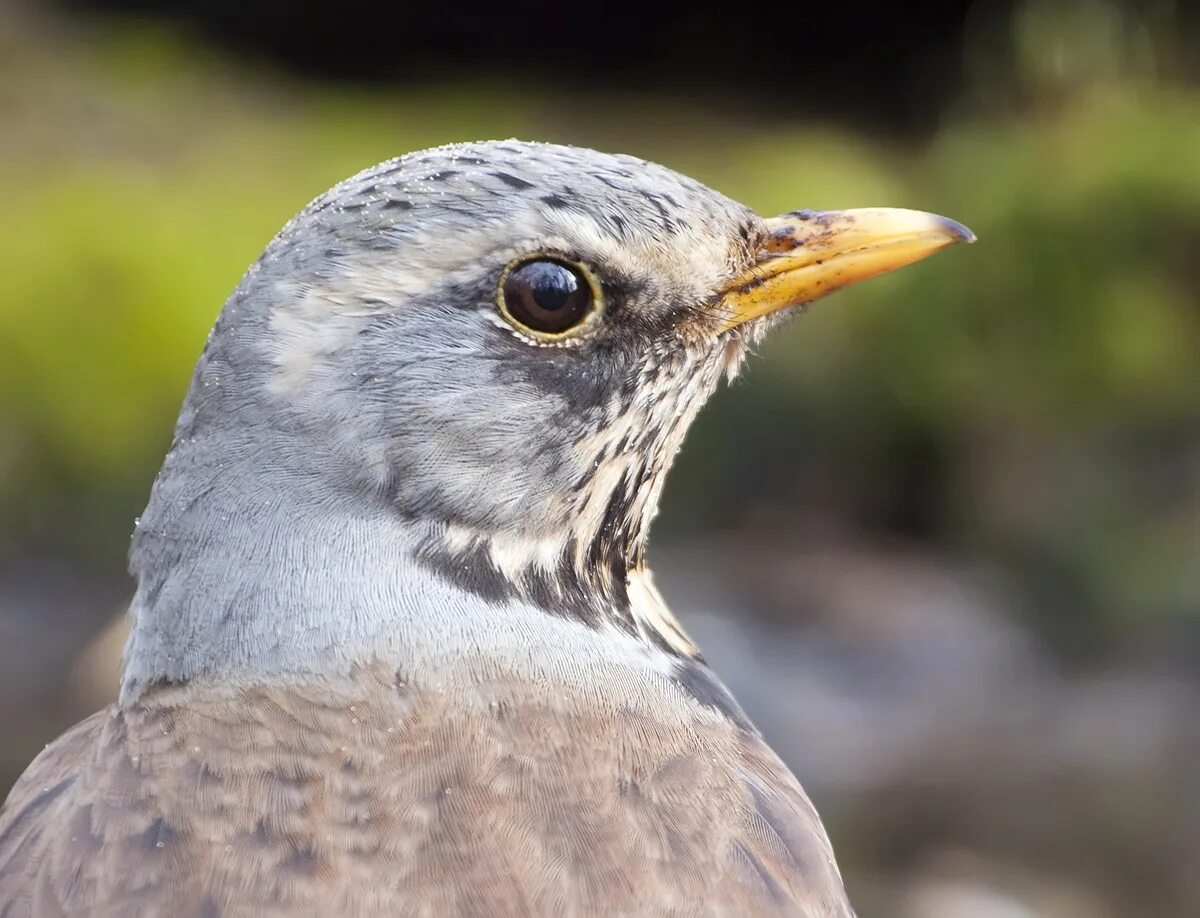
(590, 585)
(248, 576)
(558, 576)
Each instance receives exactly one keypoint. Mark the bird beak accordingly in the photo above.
(810, 254)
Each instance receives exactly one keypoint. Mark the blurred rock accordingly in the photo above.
(96, 674)
(958, 885)
(881, 652)
(48, 613)
(920, 717)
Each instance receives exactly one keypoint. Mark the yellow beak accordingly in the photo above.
(810, 254)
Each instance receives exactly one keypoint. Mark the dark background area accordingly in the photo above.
(942, 539)
(892, 65)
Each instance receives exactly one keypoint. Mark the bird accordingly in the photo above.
(395, 646)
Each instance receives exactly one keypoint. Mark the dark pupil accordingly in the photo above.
(547, 296)
(551, 284)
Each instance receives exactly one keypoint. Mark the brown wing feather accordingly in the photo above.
(385, 800)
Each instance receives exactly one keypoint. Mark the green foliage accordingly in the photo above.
(1033, 401)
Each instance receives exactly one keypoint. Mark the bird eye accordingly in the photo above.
(547, 297)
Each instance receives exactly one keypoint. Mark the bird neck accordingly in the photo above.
(250, 569)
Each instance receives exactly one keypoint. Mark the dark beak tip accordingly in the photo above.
(957, 231)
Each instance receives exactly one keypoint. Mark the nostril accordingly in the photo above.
(782, 239)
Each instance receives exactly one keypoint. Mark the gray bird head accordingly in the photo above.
(493, 348)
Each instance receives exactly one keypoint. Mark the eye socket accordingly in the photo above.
(548, 297)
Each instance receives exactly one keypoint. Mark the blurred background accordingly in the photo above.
(943, 540)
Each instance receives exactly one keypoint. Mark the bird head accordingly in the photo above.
(500, 346)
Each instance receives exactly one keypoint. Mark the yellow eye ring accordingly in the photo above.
(548, 297)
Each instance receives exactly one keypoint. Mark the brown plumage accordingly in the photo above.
(367, 796)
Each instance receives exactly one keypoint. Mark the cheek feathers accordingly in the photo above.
(307, 331)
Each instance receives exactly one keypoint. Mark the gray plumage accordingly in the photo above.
(395, 649)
